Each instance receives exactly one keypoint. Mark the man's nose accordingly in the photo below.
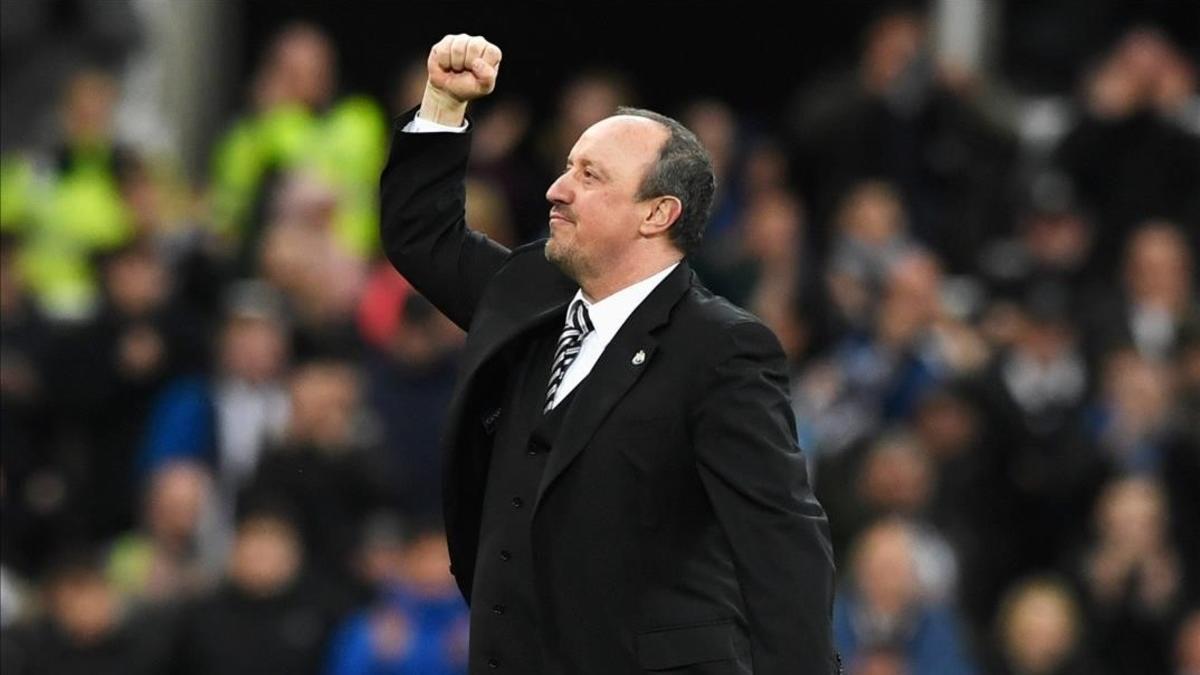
(559, 192)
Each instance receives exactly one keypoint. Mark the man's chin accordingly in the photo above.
(558, 257)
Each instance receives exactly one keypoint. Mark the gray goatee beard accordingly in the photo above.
(568, 262)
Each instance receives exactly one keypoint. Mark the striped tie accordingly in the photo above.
(577, 327)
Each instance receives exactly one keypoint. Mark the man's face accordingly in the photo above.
(594, 209)
(85, 606)
(253, 348)
(266, 555)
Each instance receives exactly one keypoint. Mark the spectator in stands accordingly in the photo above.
(892, 477)
(268, 616)
(902, 118)
(760, 253)
(379, 557)
(325, 465)
(947, 425)
(80, 211)
(716, 124)
(1053, 243)
(872, 233)
(1043, 470)
(758, 262)
(418, 624)
(295, 124)
(951, 429)
(320, 282)
(883, 609)
(875, 376)
(1157, 298)
(226, 419)
(1039, 630)
(754, 250)
(898, 479)
(1131, 421)
(117, 363)
(1131, 578)
(177, 551)
(773, 261)
(86, 629)
(1123, 139)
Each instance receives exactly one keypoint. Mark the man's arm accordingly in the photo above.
(754, 474)
(422, 196)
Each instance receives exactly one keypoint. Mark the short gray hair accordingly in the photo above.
(683, 170)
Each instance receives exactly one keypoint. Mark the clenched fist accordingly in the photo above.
(461, 69)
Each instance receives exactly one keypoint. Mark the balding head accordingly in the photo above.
(634, 197)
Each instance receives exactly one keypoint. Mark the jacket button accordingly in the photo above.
(493, 663)
(535, 447)
(505, 556)
(498, 609)
(516, 502)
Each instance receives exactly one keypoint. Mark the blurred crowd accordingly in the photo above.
(220, 409)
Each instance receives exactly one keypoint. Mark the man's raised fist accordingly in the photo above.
(463, 67)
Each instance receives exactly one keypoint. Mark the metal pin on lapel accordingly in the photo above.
(639, 358)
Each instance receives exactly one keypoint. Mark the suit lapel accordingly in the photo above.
(521, 305)
(619, 367)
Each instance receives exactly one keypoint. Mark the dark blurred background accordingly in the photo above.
(973, 225)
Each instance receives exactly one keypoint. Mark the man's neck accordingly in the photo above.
(616, 280)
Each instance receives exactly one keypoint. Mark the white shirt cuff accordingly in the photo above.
(420, 125)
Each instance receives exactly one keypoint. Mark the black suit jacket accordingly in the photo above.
(674, 526)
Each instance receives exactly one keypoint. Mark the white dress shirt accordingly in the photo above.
(420, 125)
(607, 317)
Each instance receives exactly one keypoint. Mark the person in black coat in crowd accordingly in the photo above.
(269, 616)
(324, 466)
(86, 631)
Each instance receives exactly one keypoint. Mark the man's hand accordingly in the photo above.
(461, 68)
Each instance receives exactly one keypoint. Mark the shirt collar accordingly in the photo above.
(609, 314)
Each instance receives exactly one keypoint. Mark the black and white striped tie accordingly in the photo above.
(577, 327)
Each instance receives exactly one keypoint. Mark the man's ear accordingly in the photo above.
(663, 213)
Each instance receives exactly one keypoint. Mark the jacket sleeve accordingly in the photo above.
(755, 477)
(423, 225)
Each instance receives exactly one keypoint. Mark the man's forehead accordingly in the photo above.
(620, 136)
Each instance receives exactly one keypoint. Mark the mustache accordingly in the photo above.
(562, 212)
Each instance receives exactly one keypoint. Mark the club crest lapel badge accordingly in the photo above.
(639, 358)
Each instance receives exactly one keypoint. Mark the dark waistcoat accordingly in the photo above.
(504, 619)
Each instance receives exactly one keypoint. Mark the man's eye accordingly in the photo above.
(589, 174)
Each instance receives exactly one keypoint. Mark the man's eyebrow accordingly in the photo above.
(588, 163)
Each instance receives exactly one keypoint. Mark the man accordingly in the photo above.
(623, 489)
